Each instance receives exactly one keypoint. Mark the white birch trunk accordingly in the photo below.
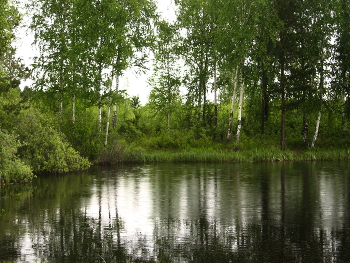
(229, 132)
(114, 116)
(73, 109)
(61, 111)
(238, 135)
(107, 125)
(115, 105)
(317, 129)
(321, 84)
(343, 116)
(100, 119)
(215, 98)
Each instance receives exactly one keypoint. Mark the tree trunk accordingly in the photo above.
(238, 135)
(73, 109)
(114, 116)
(230, 124)
(321, 85)
(215, 99)
(204, 102)
(199, 99)
(264, 101)
(60, 113)
(305, 131)
(283, 99)
(343, 120)
(114, 122)
(283, 122)
(107, 125)
(317, 129)
(99, 120)
(204, 89)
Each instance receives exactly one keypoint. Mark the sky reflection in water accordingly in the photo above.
(292, 212)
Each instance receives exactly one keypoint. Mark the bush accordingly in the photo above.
(46, 150)
(12, 169)
(120, 152)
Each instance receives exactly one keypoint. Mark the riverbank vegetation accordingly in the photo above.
(232, 81)
(116, 155)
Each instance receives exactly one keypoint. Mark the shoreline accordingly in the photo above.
(220, 156)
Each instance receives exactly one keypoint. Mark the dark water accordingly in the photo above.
(292, 212)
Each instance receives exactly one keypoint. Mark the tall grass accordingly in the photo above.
(326, 155)
(132, 154)
(192, 156)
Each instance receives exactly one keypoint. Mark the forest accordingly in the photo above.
(232, 80)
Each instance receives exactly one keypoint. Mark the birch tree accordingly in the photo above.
(307, 33)
(322, 29)
(262, 54)
(118, 32)
(84, 44)
(198, 21)
(12, 70)
(165, 81)
(284, 50)
(240, 106)
(53, 36)
(233, 100)
(341, 68)
(316, 129)
(236, 34)
(296, 54)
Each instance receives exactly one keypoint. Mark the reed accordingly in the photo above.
(256, 155)
(326, 155)
(266, 154)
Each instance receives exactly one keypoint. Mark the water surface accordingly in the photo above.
(269, 212)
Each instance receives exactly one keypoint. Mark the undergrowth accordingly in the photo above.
(121, 152)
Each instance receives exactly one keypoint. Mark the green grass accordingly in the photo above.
(265, 154)
(326, 155)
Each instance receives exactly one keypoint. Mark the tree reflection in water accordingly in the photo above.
(260, 213)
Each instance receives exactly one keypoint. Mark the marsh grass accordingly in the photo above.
(326, 155)
(133, 154)
(191, 156)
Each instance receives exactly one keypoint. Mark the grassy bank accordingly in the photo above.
(139, 155)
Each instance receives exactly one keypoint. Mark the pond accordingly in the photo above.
(261, 212)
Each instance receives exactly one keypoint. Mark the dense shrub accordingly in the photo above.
(12, 169)
(120, 152)
(46, 150)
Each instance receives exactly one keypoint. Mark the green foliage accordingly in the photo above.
(120, 152)
(45, 149)
(30, 142)
(129, 131)
(12, 169)
(165, 82)
(177, 140)
(10, 106)
(166, 140)
(83, 134)
(283, 51)
(9, 19)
